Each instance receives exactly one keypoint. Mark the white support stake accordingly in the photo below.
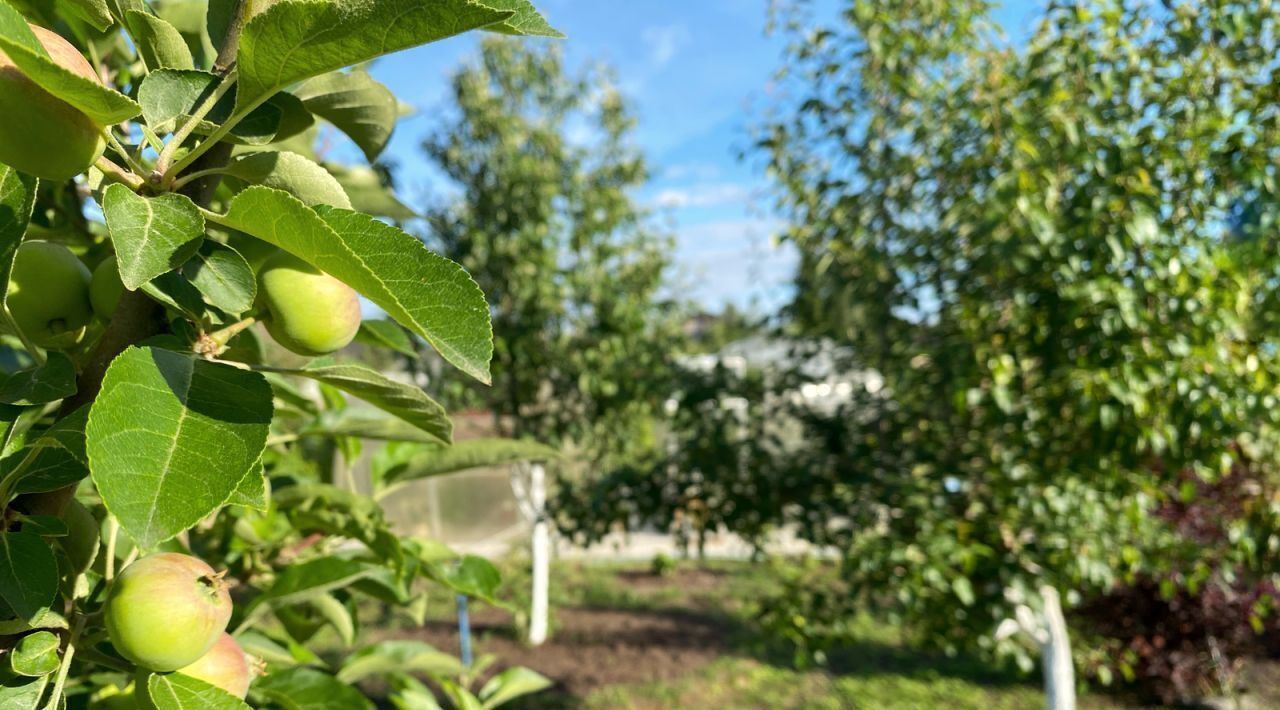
(1059, 675)
(541, 555)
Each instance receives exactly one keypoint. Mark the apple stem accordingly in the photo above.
(113, 529)
(118, 174)
(160, 175)
(122, 152)
(55, 700)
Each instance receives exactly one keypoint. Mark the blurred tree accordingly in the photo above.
(573, 267)
(1033, 246)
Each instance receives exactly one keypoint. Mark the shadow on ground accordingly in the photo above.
(637, 628)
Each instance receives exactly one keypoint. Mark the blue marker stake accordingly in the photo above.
(464, 631)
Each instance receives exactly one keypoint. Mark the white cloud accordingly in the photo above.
(665, 41)
(695, 171)
(744, 234)
(708, 195)
(735, 261)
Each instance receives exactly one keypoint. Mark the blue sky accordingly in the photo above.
(697, 72)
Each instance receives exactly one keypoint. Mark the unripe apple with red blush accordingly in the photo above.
(40, 134)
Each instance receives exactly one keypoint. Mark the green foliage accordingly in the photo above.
(572, 267)
(1036, 247)
(162, 423)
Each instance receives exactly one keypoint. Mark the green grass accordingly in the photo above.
(748, 683)
(874, 668)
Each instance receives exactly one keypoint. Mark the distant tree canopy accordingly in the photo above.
(573, 267)
(1040, 246)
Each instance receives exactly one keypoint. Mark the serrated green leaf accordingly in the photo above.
(385, 334)
(337, 616)
(295, 40)
(175, 691)
(469, 454)
(251, 491)
(174, 290)
(28, 574)
(405, 401)
(168, 96)
(35, 655)
(310, 689)
(21, 693)
(17, 199)
(50, 382)
(102, 104)
(170, 438)
(427, 293)
(525, 22)
(94, 12)
(368, 194)
(46, 619)
(223, 276)
(307, 580)
(44, 525)
(292, 173)
(152, 235)
(357, 104)
(511, 684)
(366, 424)
(53, 459)
(159, 43)
(258, 644)
(473, 576)
(398, 655)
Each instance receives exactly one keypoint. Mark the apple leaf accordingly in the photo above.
(28, 574)
(398, 656)
(357, 104)
(53, 459)
(251, 492)
(469, 454)
(170, 438)
(17, 199)
(50, 382)
(525, 21)
(292, 173)
(510, 684)
(36, 654)
(305, 688)
(385, 334)
(294, 40)
(21, 693)
(368, 195)
(175, 691)
(223, 277)
(152, 235)
(168, 96)
(366, 424)
(94, 12)
(159, 43)
(100, 103)
(405, 401)
(304, 581)
(426, 293)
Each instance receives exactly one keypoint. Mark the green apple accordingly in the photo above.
(105, 288)
(166, 610)
(49, 294)
(41, 134)
(307, 310)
